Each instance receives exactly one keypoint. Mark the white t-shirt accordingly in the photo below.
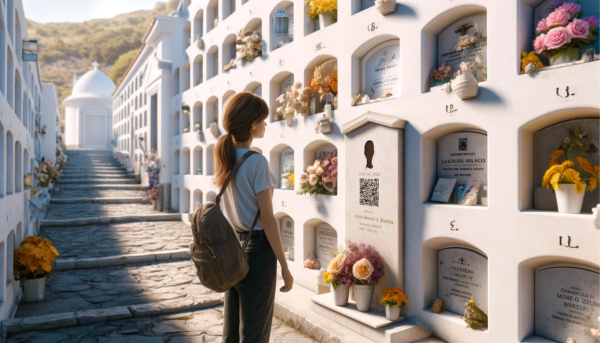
(239, 204)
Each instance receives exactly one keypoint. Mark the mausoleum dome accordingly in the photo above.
(92, 85)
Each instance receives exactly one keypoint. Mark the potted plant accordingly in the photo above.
(324, 10)
(363, 268)
(564, 33)
(465, 85)
(335, 269)
(570, 172)
(32, 264)
(394, 300)
(385, 6)
(321, 177)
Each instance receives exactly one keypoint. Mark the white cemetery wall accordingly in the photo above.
(567, 303)
(462, 274)
(381, 70)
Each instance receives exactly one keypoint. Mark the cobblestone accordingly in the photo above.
(119, 239)
(201, 326)
(87, 210)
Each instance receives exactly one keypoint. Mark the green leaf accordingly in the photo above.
(573, 53)
(577, 15)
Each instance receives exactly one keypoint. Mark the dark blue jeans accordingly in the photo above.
(248, 310)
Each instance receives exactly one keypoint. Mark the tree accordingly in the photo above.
(121, 65)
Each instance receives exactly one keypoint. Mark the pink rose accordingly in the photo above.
(303, 178)
(326, 176)
(578, 28)
(313, 179)
(556, 38)
(570, 7)
(538, 44)
(593, 20)
(334, 160)
(542, 26)
(558, 17)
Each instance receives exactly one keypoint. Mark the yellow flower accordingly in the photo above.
(593, 183)
(580, 187)
(291, 178)
(393, 295)
(554, 157)
(597, 172)
(327, 277)
(549, 173)
(530, 58)
(554, 180)
(585, 164)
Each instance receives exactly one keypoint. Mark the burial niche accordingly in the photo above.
(282, 22)
(286, 169)
(567, 303)
(325, 243)
(286, 227)
(381, 71)
(462, 274)
(551, 139)
(462, 169)
(324, 82)
(462, 41)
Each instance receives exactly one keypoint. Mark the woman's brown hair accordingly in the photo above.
(240, 111)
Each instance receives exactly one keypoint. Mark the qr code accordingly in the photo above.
(369, 192)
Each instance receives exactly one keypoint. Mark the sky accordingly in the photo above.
(46, 11)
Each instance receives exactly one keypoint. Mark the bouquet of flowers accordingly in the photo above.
(34, 257)
(564, 32)
(335, 267)
(317, 7)
(321, 177)
(363, 265)
(46, 172)
(325, 78)
(573, 149)
(27, 180)
(442, 74)
(530, 63)
(151, 193)
(154, 165)
(394, 296)
(292, 102)
(250, 45)
(466, 41)
(43, 130)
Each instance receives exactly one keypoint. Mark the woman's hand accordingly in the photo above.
(288, 279)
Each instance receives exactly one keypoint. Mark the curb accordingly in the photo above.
(62, 320)
(112, 220)
(120, 200)
(119, 260)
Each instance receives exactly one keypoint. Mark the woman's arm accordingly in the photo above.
(271, 227)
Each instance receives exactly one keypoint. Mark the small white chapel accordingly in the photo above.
(88, 120)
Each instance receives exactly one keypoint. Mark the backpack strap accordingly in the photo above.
(232, 174)
(229, 178)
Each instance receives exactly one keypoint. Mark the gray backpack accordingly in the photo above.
(217, 254)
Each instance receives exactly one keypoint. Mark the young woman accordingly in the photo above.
(248, 312)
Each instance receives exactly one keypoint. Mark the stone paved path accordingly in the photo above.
(157, 292)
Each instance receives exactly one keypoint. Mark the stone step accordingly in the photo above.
(100, 186)
(87, 210)
(125, 285)
(119, 200)
(122, 175)
(86, 318)
(94, 169)
(97, 181)
(109, 220)
(120, 260)
(97, 193)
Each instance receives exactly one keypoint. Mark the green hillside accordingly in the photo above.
(68, 48)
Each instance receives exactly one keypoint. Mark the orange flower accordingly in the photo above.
(554, 157)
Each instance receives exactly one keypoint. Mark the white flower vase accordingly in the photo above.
(386, 7)
(465, 86)
(285, 183)
(392, 312)
(324, 20)
(340, 295)
(289, 119)
(562, 59)
(33, 289)
(363, 295)
(567, 199)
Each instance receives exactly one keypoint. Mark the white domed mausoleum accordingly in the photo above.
(88, 121)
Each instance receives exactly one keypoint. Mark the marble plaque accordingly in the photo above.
(451, 53)
(463, 156)
(323, 151)
(287, 236)
(374, 201)
(462, 274)
(286, 85)
(381, 70)
(549, 139)
(567, 303)
(286, 162)
(325, 244)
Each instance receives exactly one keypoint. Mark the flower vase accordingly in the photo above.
(392, 312)
(33, 289)
(562, 59)
(386, 7)
(325, 20)
(340, 295)
(239, 63)
(567, 199)
(289, 119)
(154, 204)
(465, 86)
(363, 295)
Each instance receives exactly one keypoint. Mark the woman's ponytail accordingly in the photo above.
(240, 111)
